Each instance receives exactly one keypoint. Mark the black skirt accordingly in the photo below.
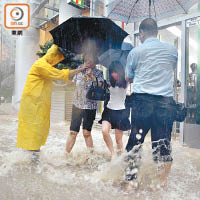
(119, 119)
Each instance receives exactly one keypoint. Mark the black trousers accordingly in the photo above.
(155, 113)
(79, 115)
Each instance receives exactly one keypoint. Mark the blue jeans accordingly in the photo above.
(155, 113)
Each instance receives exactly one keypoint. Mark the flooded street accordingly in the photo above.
(143, 54)
(81, 175)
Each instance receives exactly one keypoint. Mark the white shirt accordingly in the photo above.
(117, 98)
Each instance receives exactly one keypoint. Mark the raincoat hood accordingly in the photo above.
(53, 55)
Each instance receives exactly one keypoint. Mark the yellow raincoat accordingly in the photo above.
(34, 113)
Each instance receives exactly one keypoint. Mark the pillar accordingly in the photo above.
(198, 70)
(26, 48)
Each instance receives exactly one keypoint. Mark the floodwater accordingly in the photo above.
(81, 175)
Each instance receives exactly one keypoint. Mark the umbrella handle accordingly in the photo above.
(96, 81)
(149, 8)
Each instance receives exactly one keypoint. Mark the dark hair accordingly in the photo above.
(117, 67)
(149, 26)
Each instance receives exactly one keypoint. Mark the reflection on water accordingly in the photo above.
(86, 176)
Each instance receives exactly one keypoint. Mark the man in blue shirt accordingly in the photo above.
(151, 67)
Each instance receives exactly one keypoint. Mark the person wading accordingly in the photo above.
(151, 65)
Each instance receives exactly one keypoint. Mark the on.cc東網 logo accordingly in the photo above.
(17, 16)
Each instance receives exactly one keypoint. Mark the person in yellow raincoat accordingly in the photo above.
(35, 106)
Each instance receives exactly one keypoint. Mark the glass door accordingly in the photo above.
(193, 74)
(172, 35)
(191, 128)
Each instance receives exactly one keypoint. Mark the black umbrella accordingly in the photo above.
(74, 34)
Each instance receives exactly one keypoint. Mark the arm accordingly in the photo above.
(48, 72)
(130, 67)
(129, 80)
(76, 71)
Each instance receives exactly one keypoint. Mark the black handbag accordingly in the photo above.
(97, 92)
(181, 112)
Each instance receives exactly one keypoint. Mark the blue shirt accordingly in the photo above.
(152, 65)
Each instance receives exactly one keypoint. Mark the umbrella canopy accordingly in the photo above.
(137, 10)
(116, 55)
(75, 33)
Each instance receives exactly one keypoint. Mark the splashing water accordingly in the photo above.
(85, 175)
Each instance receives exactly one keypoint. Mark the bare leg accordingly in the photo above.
(118, 138)
(106, 136)
(71, 141)
(88, 138)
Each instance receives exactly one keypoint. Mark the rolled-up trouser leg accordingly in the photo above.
(134, 147)
(133, 163)
(161, 134)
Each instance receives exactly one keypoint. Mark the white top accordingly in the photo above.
(117, 98)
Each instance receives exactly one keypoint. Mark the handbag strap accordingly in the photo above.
(96, 81)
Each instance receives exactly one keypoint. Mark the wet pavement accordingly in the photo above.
(86, 176)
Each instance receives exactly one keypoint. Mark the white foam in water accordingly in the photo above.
(109, 172)
(10, 159)
(85, 175)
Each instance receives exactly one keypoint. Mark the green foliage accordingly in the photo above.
(70, 62)
(44, 48)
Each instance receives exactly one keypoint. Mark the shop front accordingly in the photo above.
(191, 126)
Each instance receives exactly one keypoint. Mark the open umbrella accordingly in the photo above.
(116, 55)
(75, 33)
(137, 10)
